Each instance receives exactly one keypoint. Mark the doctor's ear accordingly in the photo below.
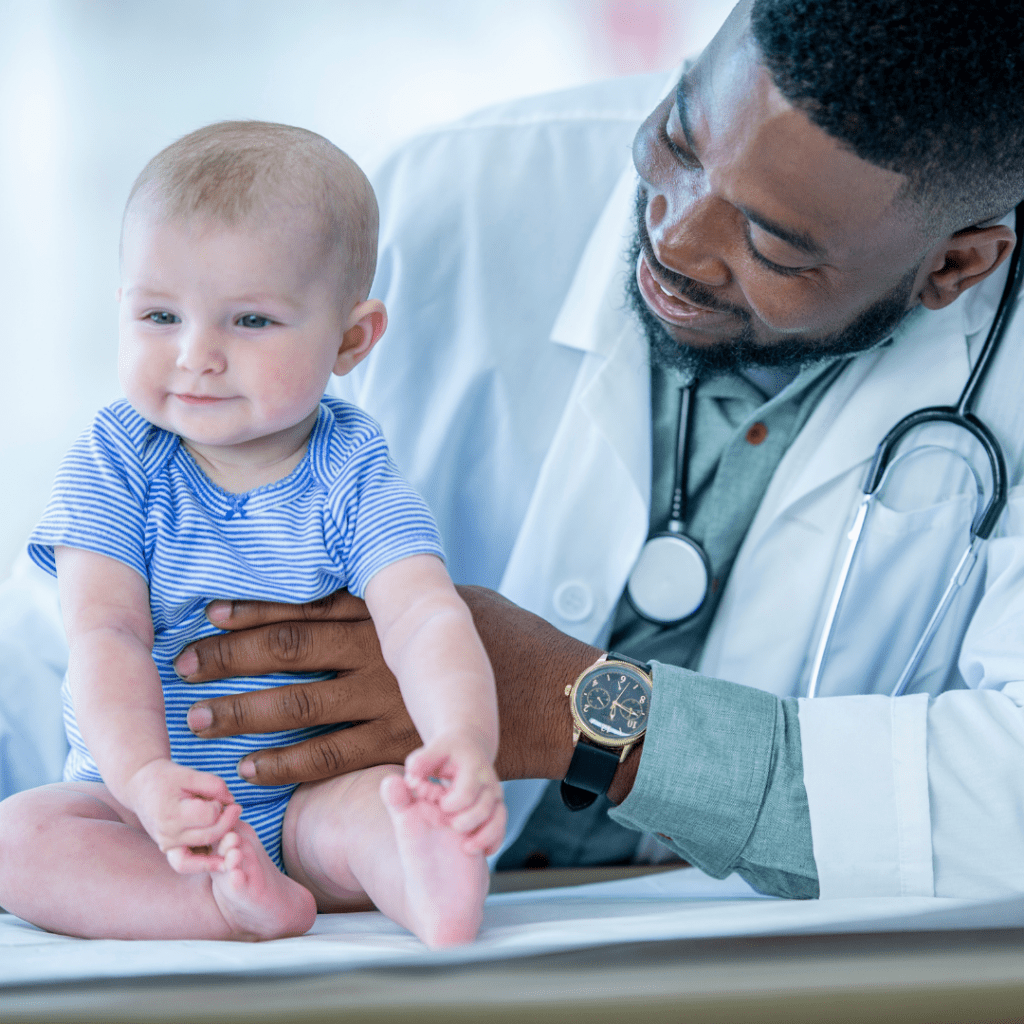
(964, 260)
(366, 323)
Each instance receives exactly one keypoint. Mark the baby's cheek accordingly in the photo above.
(294, 389)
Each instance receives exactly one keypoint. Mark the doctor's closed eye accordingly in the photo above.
(684, 156)
(687, 159)
(776, 268)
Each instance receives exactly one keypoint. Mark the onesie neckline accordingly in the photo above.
(231, 505)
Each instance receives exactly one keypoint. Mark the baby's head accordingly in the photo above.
(247, 252)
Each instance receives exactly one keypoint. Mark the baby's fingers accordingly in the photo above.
(470, 782)
(473, 816)
(210, 835)
(423, 766)
(194, 860)
(487, 839)
(197, 812)
(202, 785)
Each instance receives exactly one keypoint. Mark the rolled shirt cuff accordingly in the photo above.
(720, 780)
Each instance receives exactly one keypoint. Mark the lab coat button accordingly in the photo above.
(757, 433)
(573, 601)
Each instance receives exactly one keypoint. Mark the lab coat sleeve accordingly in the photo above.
(33, 657)
(721, 780)
(924, 796)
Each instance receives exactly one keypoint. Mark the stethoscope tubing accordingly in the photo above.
(985, 520)
(960, 414)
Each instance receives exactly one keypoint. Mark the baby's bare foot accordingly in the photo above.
(257, 901)
(444, 886)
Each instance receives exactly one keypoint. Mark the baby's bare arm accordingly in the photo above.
(116, 692)
(429, 642)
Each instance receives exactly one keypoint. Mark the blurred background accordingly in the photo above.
(90, 89)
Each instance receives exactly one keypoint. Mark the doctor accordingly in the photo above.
(818, 225)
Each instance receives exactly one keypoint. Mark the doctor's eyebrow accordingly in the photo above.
(799, 240)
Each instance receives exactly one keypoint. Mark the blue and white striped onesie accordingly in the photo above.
(132, 491)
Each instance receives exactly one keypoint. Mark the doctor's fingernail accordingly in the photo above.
(199, 718)
(186, 663)
(218, 611)
(247, 769)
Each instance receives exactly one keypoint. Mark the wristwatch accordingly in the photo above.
(610, 702)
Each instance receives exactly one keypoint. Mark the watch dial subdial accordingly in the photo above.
(596, 698)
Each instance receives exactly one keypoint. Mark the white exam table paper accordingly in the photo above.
(672, 905)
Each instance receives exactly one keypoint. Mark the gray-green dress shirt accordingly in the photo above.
(721, 772)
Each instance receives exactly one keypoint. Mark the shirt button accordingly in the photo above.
(757, 433)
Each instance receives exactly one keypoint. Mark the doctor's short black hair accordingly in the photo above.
(930, 89)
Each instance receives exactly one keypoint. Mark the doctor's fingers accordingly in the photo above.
(235, 615)
(386, 741)
(352, 697)
(290, 646)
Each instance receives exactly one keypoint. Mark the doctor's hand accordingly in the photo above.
(533, 662)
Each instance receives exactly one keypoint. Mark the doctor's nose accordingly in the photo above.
(687, 235)
(200, 351)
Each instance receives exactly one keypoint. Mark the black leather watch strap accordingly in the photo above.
(592, 767)
(643, 666)
(590, 773)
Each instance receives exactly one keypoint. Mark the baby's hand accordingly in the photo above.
(184, 810)
(455, 772)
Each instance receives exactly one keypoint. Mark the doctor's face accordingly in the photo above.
(759, 238)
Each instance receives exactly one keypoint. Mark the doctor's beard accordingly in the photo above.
(869, 328)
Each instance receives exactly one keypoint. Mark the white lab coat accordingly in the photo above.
(514, 389)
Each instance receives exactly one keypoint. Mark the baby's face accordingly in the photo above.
(228, 333)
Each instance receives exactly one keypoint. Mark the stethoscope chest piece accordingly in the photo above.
(669, 582)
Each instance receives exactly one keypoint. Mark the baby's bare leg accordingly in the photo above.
(74, 860)
(344, 843)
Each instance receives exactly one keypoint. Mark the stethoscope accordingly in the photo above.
(669, 582)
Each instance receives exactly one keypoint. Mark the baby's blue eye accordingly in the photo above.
(253, 320)
(163, 317)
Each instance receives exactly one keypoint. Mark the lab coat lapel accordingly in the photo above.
(588, 515)
(925, 365)
(798, 534)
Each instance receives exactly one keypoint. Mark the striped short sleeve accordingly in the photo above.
(375, 516)
(98, 498)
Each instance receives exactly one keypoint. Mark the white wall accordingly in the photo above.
(90, 89)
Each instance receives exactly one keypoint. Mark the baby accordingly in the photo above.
(246, 257)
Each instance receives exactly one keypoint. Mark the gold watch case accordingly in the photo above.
(610, 702)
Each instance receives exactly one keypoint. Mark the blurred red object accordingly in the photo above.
(630, 37)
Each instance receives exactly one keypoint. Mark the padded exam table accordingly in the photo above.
(624, 945)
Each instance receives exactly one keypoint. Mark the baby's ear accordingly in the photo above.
(366, 323)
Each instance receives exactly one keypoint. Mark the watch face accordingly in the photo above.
(611, 703)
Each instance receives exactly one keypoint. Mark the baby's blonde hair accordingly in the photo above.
(235, 170)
